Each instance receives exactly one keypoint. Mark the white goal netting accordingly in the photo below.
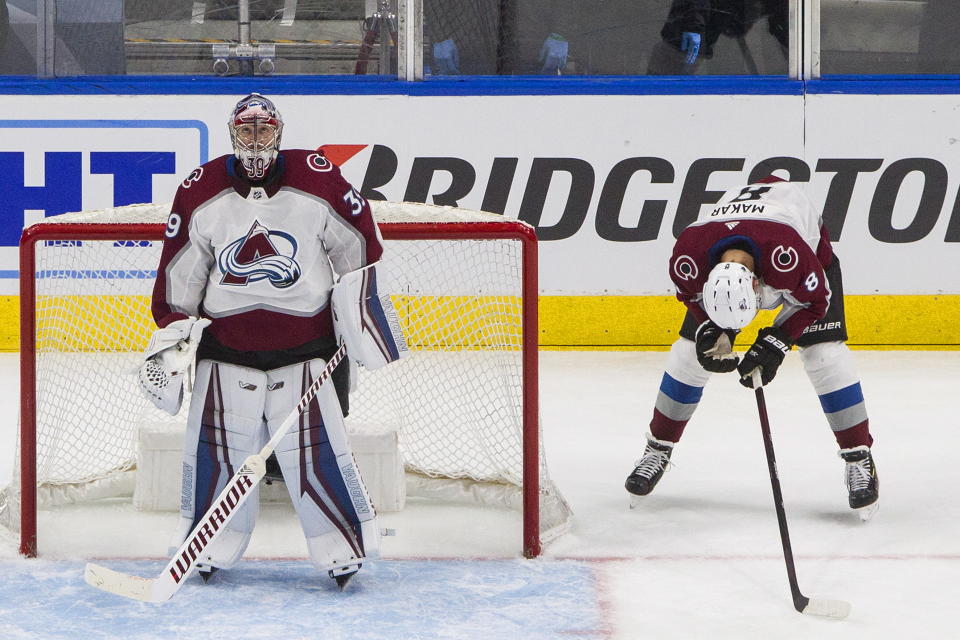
(457, 279)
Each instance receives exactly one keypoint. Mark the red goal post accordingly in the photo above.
(464, 283)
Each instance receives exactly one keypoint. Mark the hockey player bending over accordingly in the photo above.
(276, 252)
(762, 246)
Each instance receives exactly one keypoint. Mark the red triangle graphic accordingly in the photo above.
(340, 153)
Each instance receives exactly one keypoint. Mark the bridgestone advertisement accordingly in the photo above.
(608, 181)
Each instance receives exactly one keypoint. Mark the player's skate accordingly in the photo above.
(649, 469)
(342, 575)
(861, 479)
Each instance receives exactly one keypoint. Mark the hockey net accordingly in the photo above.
(464, 404)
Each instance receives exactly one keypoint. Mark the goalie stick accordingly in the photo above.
(213, 522)
(837, 609)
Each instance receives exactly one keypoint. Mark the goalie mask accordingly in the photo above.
(730, 295)
(255, 128)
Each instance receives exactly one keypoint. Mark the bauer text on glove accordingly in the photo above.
(768, 353)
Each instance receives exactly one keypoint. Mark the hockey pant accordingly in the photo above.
(829, 367)
(233, 412)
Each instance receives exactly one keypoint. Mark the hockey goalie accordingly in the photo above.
(268, 266)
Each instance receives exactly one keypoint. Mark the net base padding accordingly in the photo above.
(555, 513)
(116, 485)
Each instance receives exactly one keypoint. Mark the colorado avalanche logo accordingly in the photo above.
(194, 176)
(319, 162)
(784, 259)
(685, 268)
(260, 255)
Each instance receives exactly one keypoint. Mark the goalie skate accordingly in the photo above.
(860, 477)
(342, 575)
(206, 572)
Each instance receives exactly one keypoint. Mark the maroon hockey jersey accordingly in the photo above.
(786, 237)
(260, 261)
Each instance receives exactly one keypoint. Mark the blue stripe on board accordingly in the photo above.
(469, 599)
(680, 392)
(841, 398)
(885, 85)
(388, 85)
(199, 125)
(480, 85)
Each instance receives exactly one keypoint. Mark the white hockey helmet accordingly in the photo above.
(730, 295)
(255, 128)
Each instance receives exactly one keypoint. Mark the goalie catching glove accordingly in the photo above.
(366, 321)
(167, 358)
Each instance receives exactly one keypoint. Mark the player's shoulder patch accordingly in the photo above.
(318, 162)
(202, 184)
(211, 171)
(311, 161)
(193, 178)
(310, 171)
(784, 258)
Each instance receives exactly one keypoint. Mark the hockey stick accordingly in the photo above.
(213, 522)
(837, 609)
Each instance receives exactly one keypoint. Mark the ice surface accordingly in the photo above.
(699, 558)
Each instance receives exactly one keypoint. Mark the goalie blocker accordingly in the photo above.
(366, 321)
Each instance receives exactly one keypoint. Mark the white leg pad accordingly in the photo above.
(829, 366)
(327, 551)
(682, 364)
(337, 516)
(224, 426)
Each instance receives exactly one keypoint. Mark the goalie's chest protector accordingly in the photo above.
(267, 252)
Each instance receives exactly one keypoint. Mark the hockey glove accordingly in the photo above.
(179, 333)
(446, 58)
(690, 43)
(553, 54)
(166, 359)
(366, 320)
(767, 353)
(715, 348)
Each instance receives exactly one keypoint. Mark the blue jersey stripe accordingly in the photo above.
(680, 392)
(841, 398)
